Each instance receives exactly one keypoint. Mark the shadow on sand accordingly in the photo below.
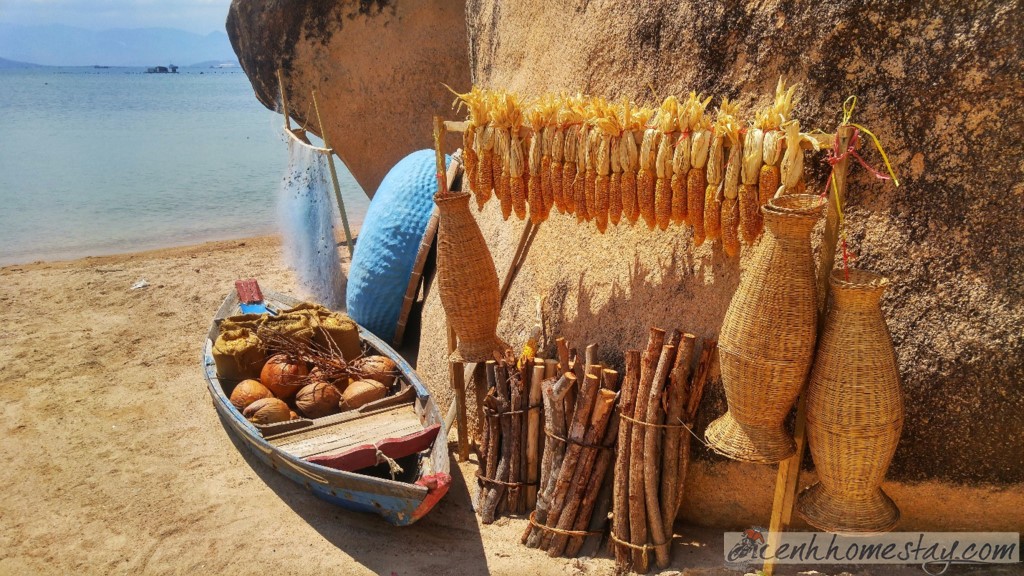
(448, 531)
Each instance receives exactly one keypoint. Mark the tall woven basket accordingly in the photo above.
(467, 280)
(767, 339)
(854, 411)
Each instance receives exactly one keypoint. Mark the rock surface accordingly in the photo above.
(377, 67)
(938, 84)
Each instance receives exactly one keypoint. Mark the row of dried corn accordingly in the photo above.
(606, 162)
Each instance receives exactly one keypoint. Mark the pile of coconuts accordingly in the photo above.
(287, 389)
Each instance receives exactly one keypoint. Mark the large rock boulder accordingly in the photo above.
(377, 67)
(940, 86)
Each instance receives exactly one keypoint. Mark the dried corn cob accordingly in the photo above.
(629, 156)
(547, 196)
(579, 184)
(696, 179)
(469, 157)
(771, 120)
(680, 169)
(557, 146)
(728, 125)
(751, 223)
(730, 226)
(572, 142)
(485, 169)
(713, 191)
(590, 178)
(534, 193)
(792, 165)
(667, 121)
(645, 177)
(517, 161)
(615, 191)
(502, 175)
(601, 194)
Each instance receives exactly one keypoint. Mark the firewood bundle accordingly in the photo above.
(660, 395)
(581, 429)
(510, 438)
(603, 162)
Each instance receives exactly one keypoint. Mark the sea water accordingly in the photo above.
(100, 161)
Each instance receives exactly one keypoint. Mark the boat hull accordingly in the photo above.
(399, 503)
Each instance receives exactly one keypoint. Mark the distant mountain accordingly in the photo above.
(5, 63)
(59, 45)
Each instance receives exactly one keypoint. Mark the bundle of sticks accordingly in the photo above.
(581, 429)
(660, 395)
(510, 436)
(605, 162)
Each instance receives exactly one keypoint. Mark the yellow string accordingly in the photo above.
(848, 106)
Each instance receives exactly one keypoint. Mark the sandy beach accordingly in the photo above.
(116, 462)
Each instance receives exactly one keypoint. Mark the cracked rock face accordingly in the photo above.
(377, 67)
(940, 86)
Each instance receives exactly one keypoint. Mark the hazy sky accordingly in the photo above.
(202, 16)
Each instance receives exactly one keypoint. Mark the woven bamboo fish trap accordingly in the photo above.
(467, 279)
(767, 339)
(854, 411)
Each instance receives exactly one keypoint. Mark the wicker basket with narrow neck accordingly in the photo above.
(767, 340)
(854, 411)
(467, 280)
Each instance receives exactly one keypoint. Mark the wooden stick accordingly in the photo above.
(597, 500)
(652, 457)
(577, 434)
(533, 434)
(522, 249)
(458, 380)
(678, 391)
(553, 410)
(637, 499)
(599, 419)
(490, 463)
(334, 177)
(516, 462)
(413, 288)
(501, 474)
(696, 393)
(563, 354)
(620, 493)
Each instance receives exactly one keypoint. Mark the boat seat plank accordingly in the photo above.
(369, 430)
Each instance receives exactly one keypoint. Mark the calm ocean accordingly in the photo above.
(101, 161)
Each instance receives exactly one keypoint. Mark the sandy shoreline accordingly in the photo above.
(116, 463)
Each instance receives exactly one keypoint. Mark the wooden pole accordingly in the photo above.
(334, 177)
(787, 480)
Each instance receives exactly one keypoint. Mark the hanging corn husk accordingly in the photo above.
(750, 209)
(713, 190)
(517, 160)
(547, 194)
(501, 174)
(771, 120)
(534, 191)
(590, 182)
(645, 178)
(579, 186)
(681, 162)
(615, 193)
(696, 179)
(729, 125)
(572, 140)
(667, 122)
(475, 103)
(484, 141)
(557, 150)
(792, 166)
(606, 127)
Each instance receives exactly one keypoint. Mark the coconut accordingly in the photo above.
(283, 375)
(267, 411)
(379, 368)
(318, 399)
(247, 392)
(362, 392)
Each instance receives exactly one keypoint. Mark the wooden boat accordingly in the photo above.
(340, 457)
